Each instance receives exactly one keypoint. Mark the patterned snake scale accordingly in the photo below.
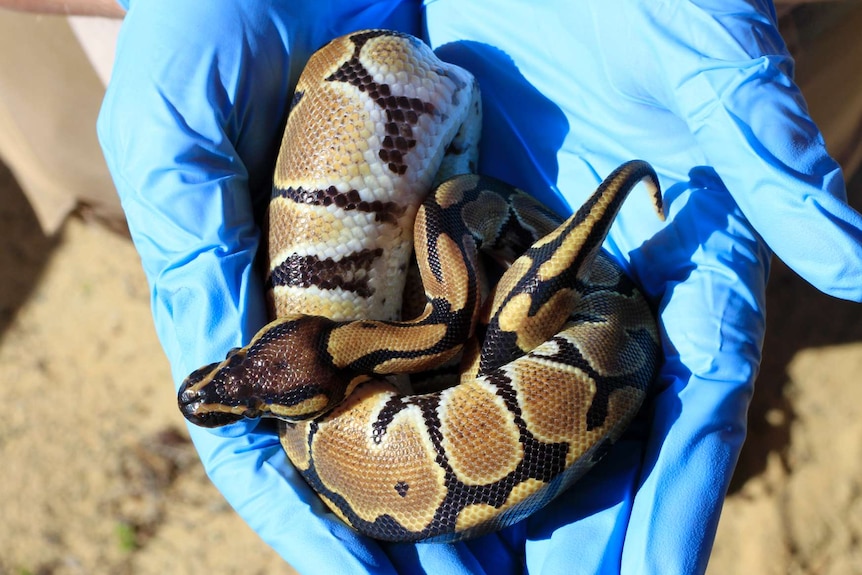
(554, 361)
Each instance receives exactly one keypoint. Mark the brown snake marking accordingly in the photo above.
(347, 273)
(388, 212)
(555, 361)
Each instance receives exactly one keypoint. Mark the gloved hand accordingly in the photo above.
(190, 128)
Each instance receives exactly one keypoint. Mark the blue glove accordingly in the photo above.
(190, 128)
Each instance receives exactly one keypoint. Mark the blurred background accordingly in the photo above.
(97, 474)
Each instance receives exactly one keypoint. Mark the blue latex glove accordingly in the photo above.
(702, 90)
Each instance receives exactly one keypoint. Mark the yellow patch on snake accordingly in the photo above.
(310, 405)
(294, 441)
(451, 192)
(415, 364)
(574, 395)
(475, 514)
(349, 342)
(391, 55)
(479, 435)
(221, 408)
(594, 339)
(325, 61)
(291, 223)
(555, 408)
(513, 275)
(534, 330)
(562, 259)
(452, 267)
(330, 146)
(398, 475)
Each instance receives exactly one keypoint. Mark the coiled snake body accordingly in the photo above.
(554, 362)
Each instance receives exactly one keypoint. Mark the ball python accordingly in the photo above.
(551, 363)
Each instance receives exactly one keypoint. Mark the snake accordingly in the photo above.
(526, 350)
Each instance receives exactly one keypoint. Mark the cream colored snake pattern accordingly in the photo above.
(554, 361)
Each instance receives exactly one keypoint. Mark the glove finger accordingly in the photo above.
(188, 127)
(181, 149)
(728, 100)
(733, 86)
(712, 277)
(277, 504)
(582, 531)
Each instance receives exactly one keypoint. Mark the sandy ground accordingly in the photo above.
(98, 475)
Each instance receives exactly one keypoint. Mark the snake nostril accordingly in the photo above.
(188, 399)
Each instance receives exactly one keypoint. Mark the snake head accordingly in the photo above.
(282, 373)
(204, 400)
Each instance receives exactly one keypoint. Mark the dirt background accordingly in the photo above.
(84, 491)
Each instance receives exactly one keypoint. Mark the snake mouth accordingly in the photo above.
(213, 419)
